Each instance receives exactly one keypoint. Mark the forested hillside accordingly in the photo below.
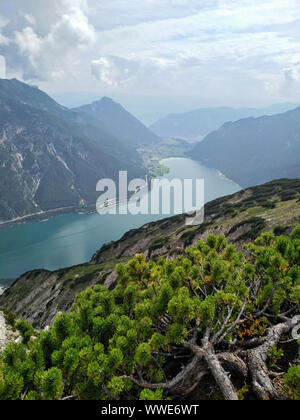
(253, 151)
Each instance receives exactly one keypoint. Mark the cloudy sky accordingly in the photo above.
(155, 56)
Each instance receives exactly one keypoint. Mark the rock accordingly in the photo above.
(2, 332)
(7, 335)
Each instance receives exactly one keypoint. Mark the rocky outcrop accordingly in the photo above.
(2, 332)
(7, 335)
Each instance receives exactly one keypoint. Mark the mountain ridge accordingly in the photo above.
(252, 151)
(202, 121)
(121, 123)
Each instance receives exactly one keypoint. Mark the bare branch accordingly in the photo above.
(166, 385)
(260, 313)
(69, 397)
(159, 367)
(220, 332)
(237, 321)
(253, 342)
(220, 375)
(234, 363)
(257, 358)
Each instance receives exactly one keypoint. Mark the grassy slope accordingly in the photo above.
(38, 295)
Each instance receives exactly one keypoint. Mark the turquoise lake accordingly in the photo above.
(73, 238)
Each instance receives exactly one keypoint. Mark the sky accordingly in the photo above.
(155, 56)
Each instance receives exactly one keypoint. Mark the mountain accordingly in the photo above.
(117, 121)
(200, 122)
(19, 92)
(253, 151)
(37, 296)
(51, 157)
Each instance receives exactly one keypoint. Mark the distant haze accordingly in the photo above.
(155, 56)
(200, 122)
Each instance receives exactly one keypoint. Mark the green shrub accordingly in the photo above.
(115, 342)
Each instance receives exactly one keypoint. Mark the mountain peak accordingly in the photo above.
(116, 119)
(51, 157)
(18, 84)
(107, 99)
(14, 89)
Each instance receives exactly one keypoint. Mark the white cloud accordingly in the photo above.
(44, 56)
(28, 42)
(291, 81)
(152, 73)
(30, 19)
(2, 67)
(73, 29)
(3, 40)
(111, 71)
(219, 51)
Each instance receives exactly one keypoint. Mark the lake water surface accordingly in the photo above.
(72, 239)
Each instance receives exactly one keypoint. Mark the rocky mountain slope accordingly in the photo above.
(117, 121)
(38, 295)
(253, 151)
(7, 333)
(200, 122)
(51, 157)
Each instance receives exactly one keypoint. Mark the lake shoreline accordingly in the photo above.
(43, 216)
(70, 236)
(46, 215)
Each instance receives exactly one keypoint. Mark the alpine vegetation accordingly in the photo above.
(212, 319)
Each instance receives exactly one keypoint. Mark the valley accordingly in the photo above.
(38, 295)
(149, 203)
(69, 239)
